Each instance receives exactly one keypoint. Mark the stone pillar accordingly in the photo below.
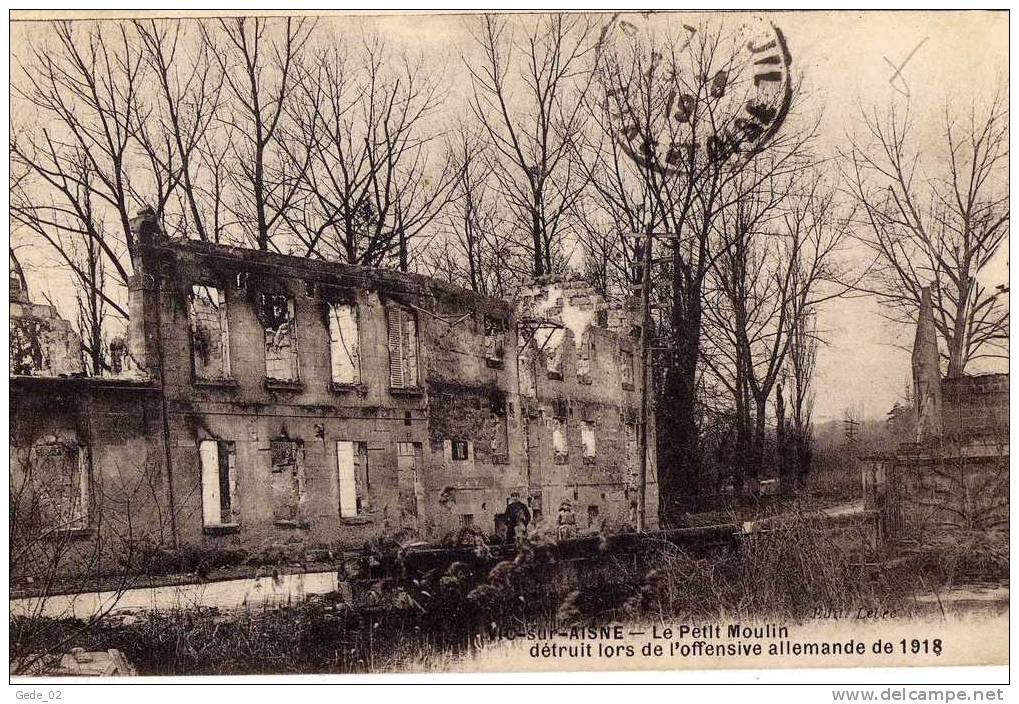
(143, 295)
(926, 374)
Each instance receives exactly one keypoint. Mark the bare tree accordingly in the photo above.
(92, 307)
(260, 63)
(620, 207)
(685, 110)
(937, 219)
(803, 345)
(74, 532)
(527, 94)
(478, 250)
(78, 239)
(779, 265)
(179, 119)
(371, 188)
(76, 148)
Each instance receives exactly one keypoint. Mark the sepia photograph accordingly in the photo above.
(392, 342)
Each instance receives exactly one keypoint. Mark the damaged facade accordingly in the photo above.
(273, 400)
(42, 343)
(953, 475)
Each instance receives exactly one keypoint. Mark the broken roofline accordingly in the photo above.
(340, 274)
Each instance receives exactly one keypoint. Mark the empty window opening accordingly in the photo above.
(286, 478)
(495, 339)
(552, 342)
(560, 450)
(466, 520)
(60, 481)
(353, 478)
(344, 344)
(403, 348)
(276, 314)
(586, 354)
(210, 339)
(626, 366)
(592, 516)
(460, 450)
(219, 483)
(588, 439)
(499, 429)
(560, 408)
(410, 488)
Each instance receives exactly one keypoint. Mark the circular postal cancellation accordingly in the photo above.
(677, 95)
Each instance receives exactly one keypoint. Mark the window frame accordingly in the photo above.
(554, 353)
(81, 519)
(360, 494)
(403, 314)
(495, 340)
(588, 432)
(229, 449)
(465, 445)
(291, 478)
(627, 368)
(355, 358)
(224, 319)
(559, 428)
(295, 380)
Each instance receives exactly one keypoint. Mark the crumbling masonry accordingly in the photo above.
(269, 400)
(952, 476)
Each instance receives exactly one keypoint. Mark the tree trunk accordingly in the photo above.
(679, 459)
(804, 457)
(539, 260)
(741, 453)
(404, 258)
(752, 482)
(957, 345)
(785, 473)
(262, 236)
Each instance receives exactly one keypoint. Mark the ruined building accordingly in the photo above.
(952, 475)
(42, 343)
(270, 400)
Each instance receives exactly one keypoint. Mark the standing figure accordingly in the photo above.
(566, 522)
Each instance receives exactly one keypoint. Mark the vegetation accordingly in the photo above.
(783, 573)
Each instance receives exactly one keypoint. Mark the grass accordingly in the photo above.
(440, 616)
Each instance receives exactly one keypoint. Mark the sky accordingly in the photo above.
(845, 62)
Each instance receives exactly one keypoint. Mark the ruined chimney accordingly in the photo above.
(143, 294)
(145, 226)
(926, 374)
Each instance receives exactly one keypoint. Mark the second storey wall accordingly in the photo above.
(446, 451)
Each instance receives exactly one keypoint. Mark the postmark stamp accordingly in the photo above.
(691, 94)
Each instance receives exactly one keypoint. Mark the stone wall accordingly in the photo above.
(253, 444)
(42, 343)
(106, 500)
(975, 406)
(926, 499)
(580, 377)
(955, 482)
